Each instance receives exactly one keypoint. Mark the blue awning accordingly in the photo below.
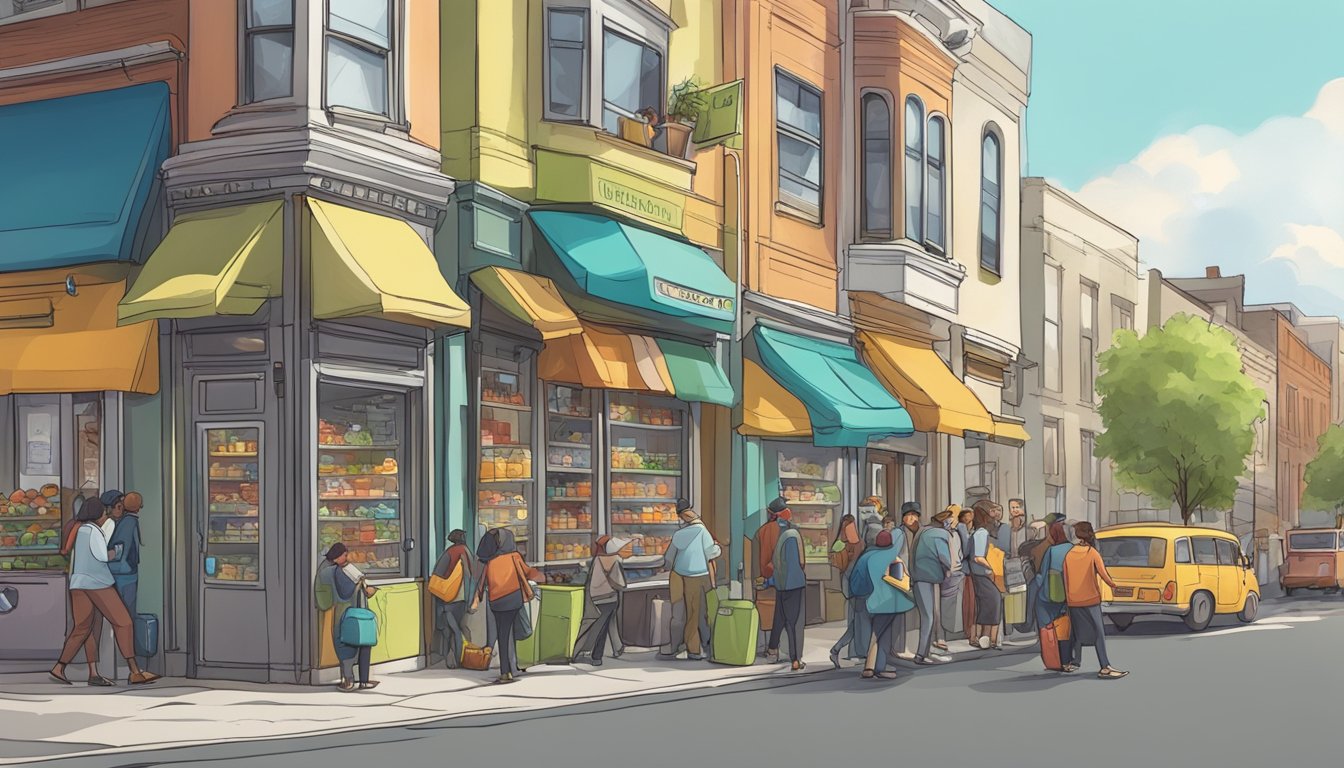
(627, 265)
(76, 175)
(846, 404)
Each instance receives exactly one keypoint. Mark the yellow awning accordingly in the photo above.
(219, 262)
(529, 299)
(1010, 432)
(606, 358)
(366, 264)
(74, 345)
(937, 400)
(768, 410)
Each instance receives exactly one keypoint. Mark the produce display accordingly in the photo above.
(651, 514)
(331, 433)
(648, 446)
(629, 457)
(577, 489)
(237, 568)
(501, 464)
(567, 548)
(233, 504)
(359, 483)
(808, 481)
(32, 502)
(661, 490)
(563, 520)
(633, 409)
(352, 533)
(570, 457)
(30, 530)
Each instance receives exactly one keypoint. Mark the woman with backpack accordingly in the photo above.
(449, 615)
(1082, 567)
(1051, 600)
(340, 586)
(506, 581)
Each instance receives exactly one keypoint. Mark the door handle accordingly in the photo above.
(408, 545)
(200, 541)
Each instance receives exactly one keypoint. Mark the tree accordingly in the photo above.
(1325, 473)
(1179, 413)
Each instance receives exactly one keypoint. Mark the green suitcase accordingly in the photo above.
(735, 629)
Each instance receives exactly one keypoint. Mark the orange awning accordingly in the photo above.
(53, 342)
(606, 358)
(768, 409)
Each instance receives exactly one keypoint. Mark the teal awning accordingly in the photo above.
(627, 265)
(696, 375)
(77, 174)
(846, 403)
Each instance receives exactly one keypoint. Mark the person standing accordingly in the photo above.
(115, 502)
(1083, 566)
(450, 614)
(348, 589)
(93, 592)
(1045, 610)
(606, 585)
(766, 538)
(1017, 524)
(790, 579)
(932, 564)
(885, 603)
(951, 588)
(506, 578)
(910, 515)
(988, 599)
(125, 542)
(847, 547)
(690, 558)
(965, 529)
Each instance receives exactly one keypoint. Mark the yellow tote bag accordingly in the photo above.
(447, 589)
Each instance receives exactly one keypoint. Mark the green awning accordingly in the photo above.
(696, 375)
(627, 265)
(847, 405)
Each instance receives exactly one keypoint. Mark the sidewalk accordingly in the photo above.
(43, 719)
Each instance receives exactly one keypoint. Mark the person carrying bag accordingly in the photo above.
(342, 589)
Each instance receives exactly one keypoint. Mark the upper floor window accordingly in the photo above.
(935, 168)
(876, 166)
(1054, 340)
(268, 50)
(632, 78)
(991, 203)
(798, 133)
(566, 62)
(914, 168)
(360, 42)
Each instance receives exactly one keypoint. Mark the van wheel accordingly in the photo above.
(1201, 612)
(1251, 610)
(1121, 621)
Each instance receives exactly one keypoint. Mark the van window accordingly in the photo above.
(1183, 551)
(1133, 551)
(1322, 541)
(1228, 552)
(1206, 550)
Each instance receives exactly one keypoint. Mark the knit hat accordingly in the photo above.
(110, 498)
(883, 539)
(911, 508)
(778, 505)
(683, 505)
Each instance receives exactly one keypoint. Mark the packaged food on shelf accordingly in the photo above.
(567, 401)
(502, 388)
(32, 502)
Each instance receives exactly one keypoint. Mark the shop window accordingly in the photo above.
(914, 168)
(798, 135)
(991, 203)
(648, 442)
(876, 166)
(570, 530)
(632, 79)
(810, 480)
(877, 482)
(360, 41)
(1122, 315)
(1054, 499)
(363, 489)
(1094, 506)
(268, 50)
(566, 63)
(17, 9)
(506, 485)
(1088, 455)
(910, 479)
(233, 504)
(41, 499)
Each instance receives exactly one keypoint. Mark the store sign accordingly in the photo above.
(627, 199)
(720, 121)
(691, 296)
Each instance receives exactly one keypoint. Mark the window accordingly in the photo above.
(1054, 359)
(1050, 441)
(359, 55)
(268, 50)
(798, 131)
(632, 79)
(1122, 315)
(1133, 552)
(1091, 464)
(935, 169)
(1054, 499)
(1087, 343)
(914, 168)
(876, 166)
(1291, 403)
(1228, 552)
(991, 191)
(566, 60)
(1183, 551)
(1094, 506)
(1304, 542)
(1206, 550)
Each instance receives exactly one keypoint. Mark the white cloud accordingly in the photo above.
(1268, 203)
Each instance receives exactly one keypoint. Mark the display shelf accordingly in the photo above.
(659, 472)
(230, 455)
(575, 416)
(563, 531)
(550, 499)
(52, 548)
(809, 478)
(650, 427)
(506, 406)
(501, 506)
(814, 503)
(570, 470)
(345, 447)
(363, 474)
(514, 480)
(641, 500)
(511, 446)
(813, 526)
(584, 446)
(217, 479)
(28, 518)
(349, 519)
(359, 498)
(615, 524)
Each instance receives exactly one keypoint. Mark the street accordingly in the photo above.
(1235, 695)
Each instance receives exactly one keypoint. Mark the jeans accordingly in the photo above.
(856, 606)
(926, 599)
(128, 587)
(1090, 615)
(790, 609)
(504, 630)
(881, 638)
(605, 613)
(348, 665)
(897, 635)
(453, 615)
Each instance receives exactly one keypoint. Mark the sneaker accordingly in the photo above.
(940, 658)
(925, 661)
(694, 657)
(905, 656)
(983, 643)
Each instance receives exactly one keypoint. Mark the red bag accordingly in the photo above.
(476, 657)
(1051, 636)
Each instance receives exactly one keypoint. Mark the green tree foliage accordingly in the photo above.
(1179, 413)
(1325, 473)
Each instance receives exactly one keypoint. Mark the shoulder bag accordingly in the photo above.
(1054, 580)
(447, 588)
(359, 625)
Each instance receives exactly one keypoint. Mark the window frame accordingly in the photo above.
(1058, 322)
(1052, 431)
(818, 216)
(585, 78)
(1222, 544)
(1087, 341)
(991, 132)
(1194, 549)
(865, 231)
(245, 34)
(607, 26)
(1087, 442)
(395, 56)
(919, 155)
(1189, 552)
(939, 246)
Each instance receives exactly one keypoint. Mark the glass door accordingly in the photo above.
(809, 479)
(233, 504)
(570, 529)
(507, 478)
(646, 465)
(362, 437)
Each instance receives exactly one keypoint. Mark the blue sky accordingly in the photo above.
(1211, 129)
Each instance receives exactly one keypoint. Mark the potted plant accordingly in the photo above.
(684, 105)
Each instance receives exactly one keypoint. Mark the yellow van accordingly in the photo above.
(1176, 570)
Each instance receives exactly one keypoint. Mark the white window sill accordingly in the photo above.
(812, 218)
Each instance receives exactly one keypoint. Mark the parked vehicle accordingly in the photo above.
(1176, 570)
(1315, 560)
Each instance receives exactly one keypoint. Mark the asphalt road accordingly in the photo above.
(1264, 695)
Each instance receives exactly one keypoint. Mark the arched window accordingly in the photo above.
(935, 168)
(991, 203)
(876, 166)
(914, 168)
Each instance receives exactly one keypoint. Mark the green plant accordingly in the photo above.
(686, 101)
(1179, 413)
(1325, 473)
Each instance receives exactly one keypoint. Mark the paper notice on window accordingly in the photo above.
(39, 456)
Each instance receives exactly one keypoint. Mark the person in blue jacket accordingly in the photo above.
(1045, 610)
(886, 604)
(125, 542)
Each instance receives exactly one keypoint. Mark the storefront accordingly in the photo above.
(298, 435)
(590, 387)
(83, 202)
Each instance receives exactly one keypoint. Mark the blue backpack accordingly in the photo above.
(359, 627)
(860, 584)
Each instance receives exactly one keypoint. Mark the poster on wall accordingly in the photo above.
(39, 456)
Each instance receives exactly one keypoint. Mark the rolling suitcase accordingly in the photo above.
(146, 635)
(735, 630)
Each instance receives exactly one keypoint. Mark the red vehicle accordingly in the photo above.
(1314, 560)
